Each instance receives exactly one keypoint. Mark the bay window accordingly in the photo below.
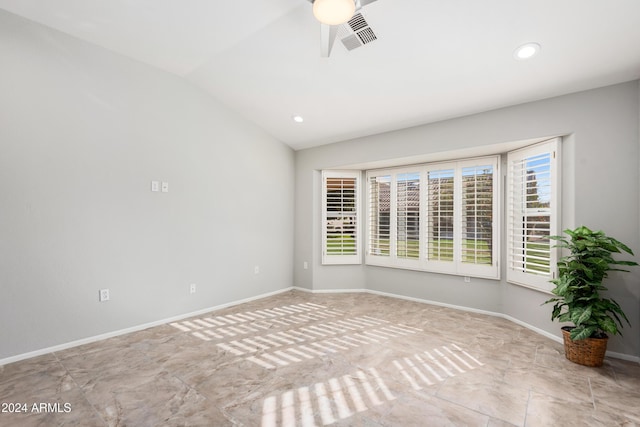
(435, 217)
(444, 217)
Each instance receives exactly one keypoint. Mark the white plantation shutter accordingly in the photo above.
(477, 214)
(408, 215)
(440, 210)
(478, 217)
(379, 243)
(533, 186)
(340, 219)
(394, 218)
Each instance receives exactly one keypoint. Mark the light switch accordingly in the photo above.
(155, 186)
(165, 187)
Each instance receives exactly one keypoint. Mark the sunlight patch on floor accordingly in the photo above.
(279, 336)
(326, 402)
(430, 367)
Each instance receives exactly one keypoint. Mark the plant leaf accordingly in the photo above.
(580, 314)
(586, 314)
(580, 333)
(608, 325)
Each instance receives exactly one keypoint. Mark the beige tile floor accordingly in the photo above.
(299, 359)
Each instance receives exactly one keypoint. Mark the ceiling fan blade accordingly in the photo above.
(365, 2)
(327, 38)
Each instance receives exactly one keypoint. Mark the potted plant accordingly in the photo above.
(577, 294)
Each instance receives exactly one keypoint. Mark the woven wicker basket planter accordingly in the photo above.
(587, 352)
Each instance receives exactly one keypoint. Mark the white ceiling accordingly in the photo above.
(434, 59)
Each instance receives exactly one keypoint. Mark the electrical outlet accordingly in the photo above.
(165, 187)
(467, 279)
(256, 269)
(155, 186)
(305, 265)
(103, 295)
(192, 288)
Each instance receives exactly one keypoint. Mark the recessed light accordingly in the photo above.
(297, 119)
(527, 51)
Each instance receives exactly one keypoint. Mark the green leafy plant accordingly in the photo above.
(579, 283)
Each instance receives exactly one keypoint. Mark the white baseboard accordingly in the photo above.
(430, 302)
(535, 329)
(88, 340)
(542, 332)
(439, 304)
(137, 328)
(623, 356)
(330, 291)
(472, 310)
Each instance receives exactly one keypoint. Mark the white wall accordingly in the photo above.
(83, 131)
(601, 177)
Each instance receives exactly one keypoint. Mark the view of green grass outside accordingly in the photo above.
(440, 250)
(537, 257)
(341, 244)
(473, 251)
(407, 249)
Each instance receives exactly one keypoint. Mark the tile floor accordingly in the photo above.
(298, 359)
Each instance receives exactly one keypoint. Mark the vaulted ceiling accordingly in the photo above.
(432, 60)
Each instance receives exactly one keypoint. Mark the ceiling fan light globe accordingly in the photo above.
(333, 12)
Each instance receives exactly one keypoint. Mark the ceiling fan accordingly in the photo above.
(342, 19)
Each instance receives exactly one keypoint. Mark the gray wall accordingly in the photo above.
(83, 131)
(601, 187)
